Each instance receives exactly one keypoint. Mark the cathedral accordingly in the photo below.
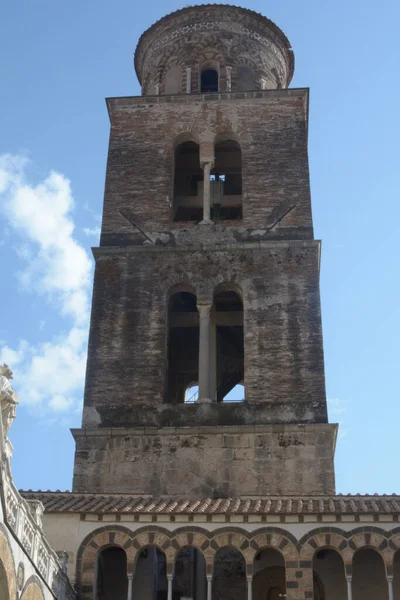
(204, 465)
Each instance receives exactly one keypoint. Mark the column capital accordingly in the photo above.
(349, 578)
(209, 577)
(204, 308)
(389, 578)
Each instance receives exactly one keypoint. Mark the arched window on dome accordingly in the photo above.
(209, 81)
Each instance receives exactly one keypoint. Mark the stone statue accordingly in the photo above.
(8, 403)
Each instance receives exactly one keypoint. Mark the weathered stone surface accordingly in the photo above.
(208, 462)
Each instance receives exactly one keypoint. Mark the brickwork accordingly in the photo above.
(271, 128)
(232, 35)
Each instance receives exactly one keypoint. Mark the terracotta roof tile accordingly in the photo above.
(125, 503)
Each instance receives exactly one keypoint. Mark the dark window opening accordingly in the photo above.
(112, 578)
(226, 182)
(190, 575)
(183, 346)
(229, 575)
(188, 183)
(230, 347)
(209, 81)
(150, 579)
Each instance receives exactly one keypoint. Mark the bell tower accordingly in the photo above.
(207, 275)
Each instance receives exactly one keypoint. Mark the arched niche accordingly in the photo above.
(173, 80)
(227, 321)
(183, 345)
(111, 575)
(226, 181)
(245, 79)
(188, 183)
(190, 575)
(150, 580)
(369, 576)
(328, 566)
(269, 580)
(229, 575)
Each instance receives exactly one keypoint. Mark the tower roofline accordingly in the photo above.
(265, 24)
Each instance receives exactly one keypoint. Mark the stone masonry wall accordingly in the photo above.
(278, 281)
(207, 462)
(271, 127)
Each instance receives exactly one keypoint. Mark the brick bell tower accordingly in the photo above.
(207, 274)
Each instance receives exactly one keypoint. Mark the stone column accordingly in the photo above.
(249, 587)
(389, 579)
(169, 579)
(188, 80)
(130, 585)
(209, 587)
(349, 580)
(157, 87)
(206, 193)
(204, 352)
(228, 79)
(213, 356)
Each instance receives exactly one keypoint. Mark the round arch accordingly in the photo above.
(33, 590)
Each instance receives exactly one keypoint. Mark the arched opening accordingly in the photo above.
(369, 577)
(150, 581)
(183, 346)
(229, 576)
(188, 183)
(227, 319)
(192, 393)
(4, 591)
(209, 81)
(190, 575)
(269, 580)
(112, 577)
(226, 181)
(328, 566)
(396, 576)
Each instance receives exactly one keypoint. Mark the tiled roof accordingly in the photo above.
(128, 504)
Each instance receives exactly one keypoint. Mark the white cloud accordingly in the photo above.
(92, 231)
(56, 265)
(48, 375)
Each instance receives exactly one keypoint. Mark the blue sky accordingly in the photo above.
(59, 61)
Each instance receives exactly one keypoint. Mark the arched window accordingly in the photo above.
(226, 181)
(228, 319)
(330, 579)
(150, 581)
(188, 183)
(209, 81)
(183, 345)
(229, 576)
(112, 579)
(269, 579)
(190, 575)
